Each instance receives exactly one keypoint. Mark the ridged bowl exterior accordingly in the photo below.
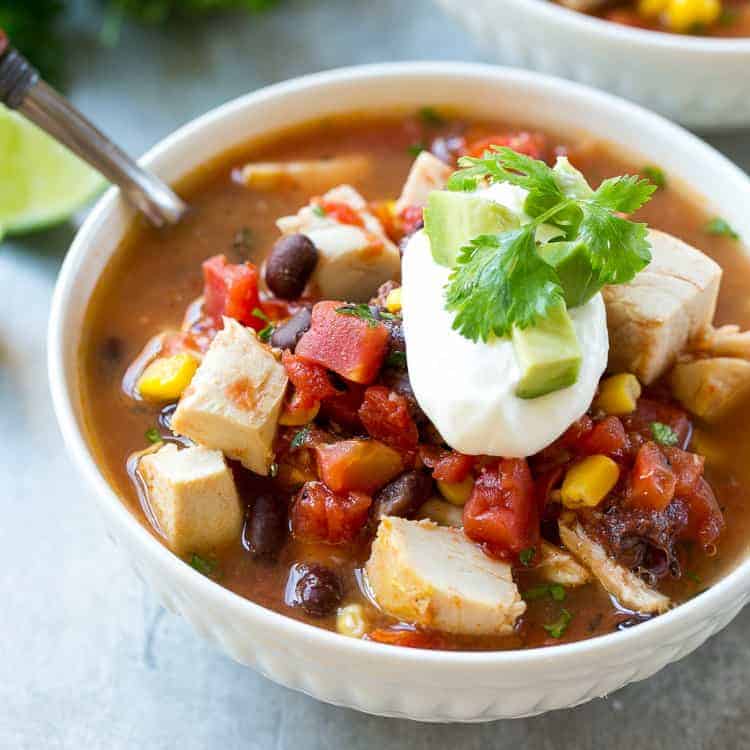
(386, 680)
(701, 82)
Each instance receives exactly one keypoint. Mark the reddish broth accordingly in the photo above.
(156, 274)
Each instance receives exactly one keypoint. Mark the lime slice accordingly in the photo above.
(41, 182)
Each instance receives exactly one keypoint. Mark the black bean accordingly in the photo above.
(290, 265)
(318, 590)
(287, 335)
(403, 496)
(266, 526)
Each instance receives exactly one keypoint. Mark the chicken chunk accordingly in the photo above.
(617, 580)
(427, 173)
(558, 566)
(355, 256)
(652, 318)
(234, 399)
(435, 577)
(192, 495)
(316, 175)
(711, 388)
(725, 341)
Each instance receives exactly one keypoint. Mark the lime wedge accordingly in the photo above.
(41, 182)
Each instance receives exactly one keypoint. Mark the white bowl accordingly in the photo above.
(425, 685)
(702, 82)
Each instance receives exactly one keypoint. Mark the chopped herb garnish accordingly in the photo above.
(430, 116)
(265, 333)
(361, 311)
(202, 565)
(527, 556)
(655, 174)
(416, 148)
(664, 434)
(500, 281)
(243, 240)
(721, 227)
(258, 313)
(153, 435)
(555, 591)
(385, 315)
(557, 628)
(318, 210)
(396, 359)
(694, 577)
(300, 438)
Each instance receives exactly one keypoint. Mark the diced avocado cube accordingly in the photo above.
(453, 219)
(548, 354)
(573, 265)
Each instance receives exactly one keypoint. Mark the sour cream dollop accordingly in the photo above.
(467, 388)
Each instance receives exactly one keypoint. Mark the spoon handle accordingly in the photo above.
(21, 88)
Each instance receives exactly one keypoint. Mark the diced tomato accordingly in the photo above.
(343, 408)
(531, 144)
(651, 483)
(341, 212)
(357, 465)
(649, 411)
(705, 519)
(447, 466)
(607, 437)
(576, 432)
(231, 290)
(502, 512)
(687, 468)
(406, 637)
(385, 415)
(310, 381)
(349, 345)
(320, 515)
(412, 218)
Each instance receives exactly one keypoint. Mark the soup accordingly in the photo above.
(247, 390)
(726, 18)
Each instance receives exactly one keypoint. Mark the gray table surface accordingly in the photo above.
(87, 657)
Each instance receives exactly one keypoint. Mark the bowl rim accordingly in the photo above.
(656, 630)
(631, 35)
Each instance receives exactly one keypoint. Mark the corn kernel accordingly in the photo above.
(393, 301)
(167, 377)
(651, 8)
(298, 417)
(351, 621)
(618, 394)
(442, 513)
(456, 492)
(587, 483)
(683, 15)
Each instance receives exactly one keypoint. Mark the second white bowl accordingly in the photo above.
(702, 82)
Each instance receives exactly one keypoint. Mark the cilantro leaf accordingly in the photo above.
(415, 149)
(300, 437)
(655, 174)
(361, 311)
(396, 359)
(555, 591)
(664, 434)
(526, 556)
(721, 227)
(557, 628)
(153, 435)
(430, 116)
(627, 193)
(618, 249)
(203, 565)
(499, 282)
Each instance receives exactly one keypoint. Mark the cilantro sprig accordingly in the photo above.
(664, 434)
(501, 281)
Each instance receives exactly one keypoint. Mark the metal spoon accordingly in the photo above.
(21, 88)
